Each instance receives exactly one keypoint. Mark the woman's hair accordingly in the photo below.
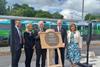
(73, 25)
(27, 26)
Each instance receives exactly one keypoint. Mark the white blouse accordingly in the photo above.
(77, 38)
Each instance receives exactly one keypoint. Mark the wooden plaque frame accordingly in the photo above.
(45, 45)
(48, 45)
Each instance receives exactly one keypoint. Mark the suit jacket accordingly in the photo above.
(29, 40)
(37, 39)
(63, 34)
(14, 40)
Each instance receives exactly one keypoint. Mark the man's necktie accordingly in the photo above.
(41, 29)
(20, 35)
(59, 29)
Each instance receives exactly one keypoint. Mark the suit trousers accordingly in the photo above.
(28, 54)
(15, 57)
(62, 51)
(40, 54)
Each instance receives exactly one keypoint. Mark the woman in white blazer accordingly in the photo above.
(74, 45)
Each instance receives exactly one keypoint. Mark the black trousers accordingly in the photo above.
(62, 51)
(28, 54)
(40, 54)
(15, 57)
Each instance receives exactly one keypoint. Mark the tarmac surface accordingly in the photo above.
(5, 57)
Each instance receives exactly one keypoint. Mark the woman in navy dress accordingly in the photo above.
(74, 45)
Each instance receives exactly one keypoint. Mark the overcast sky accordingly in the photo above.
(91, 6)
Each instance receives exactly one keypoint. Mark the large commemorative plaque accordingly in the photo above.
(50, 39)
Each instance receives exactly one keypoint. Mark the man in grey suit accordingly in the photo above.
(15, 41)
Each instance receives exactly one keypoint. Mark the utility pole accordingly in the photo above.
(82, 9)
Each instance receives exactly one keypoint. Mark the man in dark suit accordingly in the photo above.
(15, 41)
(59, 28)
(40, 53)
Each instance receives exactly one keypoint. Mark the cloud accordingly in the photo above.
(74, 8)
(43, 2)
(11, 2)
(71, 14)
(90, 6)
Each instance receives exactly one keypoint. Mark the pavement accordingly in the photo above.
(94, 56)
(6, 60)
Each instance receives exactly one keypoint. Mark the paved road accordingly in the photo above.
(6, 59)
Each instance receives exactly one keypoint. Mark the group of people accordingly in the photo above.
(31, 40)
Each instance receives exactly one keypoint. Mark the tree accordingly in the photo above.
(22, 10)
(90, 17)
(2, 7)
(16, 6)
(57, 16)
(43, 14)
(27, 11)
